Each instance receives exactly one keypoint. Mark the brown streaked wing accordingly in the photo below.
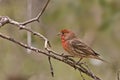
(82, 48)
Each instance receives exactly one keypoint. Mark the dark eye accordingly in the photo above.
(63, 33)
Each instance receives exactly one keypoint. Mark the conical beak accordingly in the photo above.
(59, 34)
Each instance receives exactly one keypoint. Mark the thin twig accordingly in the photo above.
(38, 16)
(118, 75)
(50, 63)
(82, 76)
(21, 27)
(51, 67)
(3, 20)
(89, 70)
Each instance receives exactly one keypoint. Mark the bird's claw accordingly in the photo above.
(65, 56)
(80, 63)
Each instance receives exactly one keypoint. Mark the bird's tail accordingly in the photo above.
(101, 59)
(98, 58)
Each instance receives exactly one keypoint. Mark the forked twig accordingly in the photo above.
(38, 16)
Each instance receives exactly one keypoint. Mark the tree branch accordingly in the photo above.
(22, 26)
(5, 20)
(67, 61)
(38, 16)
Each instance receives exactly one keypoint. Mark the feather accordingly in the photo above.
(80, 47)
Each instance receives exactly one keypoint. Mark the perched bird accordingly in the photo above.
(75, 47)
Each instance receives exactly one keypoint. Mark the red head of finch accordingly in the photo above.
(75, 47)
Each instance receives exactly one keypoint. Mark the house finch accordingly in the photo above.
(75, 47)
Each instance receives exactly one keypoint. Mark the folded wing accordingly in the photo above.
(82, 48)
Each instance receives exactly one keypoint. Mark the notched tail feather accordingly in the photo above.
(96, 54)
(97, 57)
(101, 59)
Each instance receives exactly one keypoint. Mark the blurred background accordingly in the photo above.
(96, 22)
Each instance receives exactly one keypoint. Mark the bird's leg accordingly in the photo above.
(62, 54)
(79, 61)
(66, 56)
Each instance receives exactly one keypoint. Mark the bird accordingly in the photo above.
(75, 47)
